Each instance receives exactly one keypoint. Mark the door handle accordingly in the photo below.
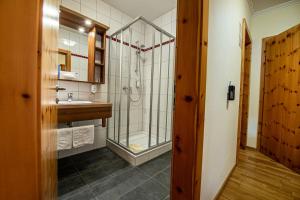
(59, 88)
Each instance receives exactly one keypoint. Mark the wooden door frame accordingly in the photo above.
(245, 33)
(28, 157)
(190, 78)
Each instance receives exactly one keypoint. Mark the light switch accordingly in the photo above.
(93, 89)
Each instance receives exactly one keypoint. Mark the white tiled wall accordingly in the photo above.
(168, 23)
(139, 114)
(115, 19)
(128, 56)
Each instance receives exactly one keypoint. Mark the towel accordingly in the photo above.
(136, 148)
(83, 135)
(69, 75)
(64, 138)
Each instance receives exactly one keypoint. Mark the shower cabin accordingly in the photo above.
(141, 88)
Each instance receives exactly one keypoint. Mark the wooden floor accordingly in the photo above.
(259, 177)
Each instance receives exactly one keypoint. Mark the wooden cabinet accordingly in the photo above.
(96, 42)
(96, 57)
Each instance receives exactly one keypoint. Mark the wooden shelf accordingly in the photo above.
(78, 81)
(96, 45)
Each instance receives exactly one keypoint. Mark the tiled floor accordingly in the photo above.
(102, 175)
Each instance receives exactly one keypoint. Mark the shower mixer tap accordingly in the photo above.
(127, 89)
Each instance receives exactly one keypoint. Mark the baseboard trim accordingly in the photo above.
(224, 183)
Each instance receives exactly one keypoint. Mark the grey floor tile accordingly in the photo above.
(167, 171)
(64, 162)
(150, 190)
(94, 162)
(70, 184)
(103, 171)
(89, 155)
(66, 172)
(117, 186)
(155, 166)
(83, 193)
(167, 198)
(163, 179)
(102, 175)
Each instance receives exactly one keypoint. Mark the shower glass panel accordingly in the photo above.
(141, 86)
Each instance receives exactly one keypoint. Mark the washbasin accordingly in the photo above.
(73, 102)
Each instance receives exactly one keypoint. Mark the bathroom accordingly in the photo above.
(115, 95)
(149, 99)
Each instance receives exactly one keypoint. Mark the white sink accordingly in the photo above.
(73, 102)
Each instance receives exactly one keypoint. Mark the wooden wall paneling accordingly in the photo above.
(47, 94)
(284, 151)
(296, 153)
(275, 100)
(191, 55)
(19, 148)
(295, 104)
(280, 119)
(265, 109)
(28, 67)
(282, 115)
(261, 94)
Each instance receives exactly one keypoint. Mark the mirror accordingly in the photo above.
(73, 54)
(82, 48)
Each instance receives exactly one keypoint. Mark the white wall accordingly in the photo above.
(269, 22)
(224, 65)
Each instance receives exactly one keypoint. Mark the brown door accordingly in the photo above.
(280, 130)
(27, 111)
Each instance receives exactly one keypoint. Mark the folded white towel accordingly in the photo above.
(64, 138)
(83, 135)
(69, 75)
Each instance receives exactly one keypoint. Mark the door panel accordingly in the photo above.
(27, 109)
(280, 137)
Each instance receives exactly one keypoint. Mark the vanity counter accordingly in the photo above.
(85, 111)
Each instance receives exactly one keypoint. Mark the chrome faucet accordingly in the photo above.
(70, 97)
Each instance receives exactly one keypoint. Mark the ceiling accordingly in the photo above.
(150, 9)
(263, 4)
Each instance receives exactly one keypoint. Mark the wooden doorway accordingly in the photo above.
(279, 114)
(28, 60)
(246, 46)
(190, 77)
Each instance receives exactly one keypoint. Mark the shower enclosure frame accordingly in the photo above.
(171, 39)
